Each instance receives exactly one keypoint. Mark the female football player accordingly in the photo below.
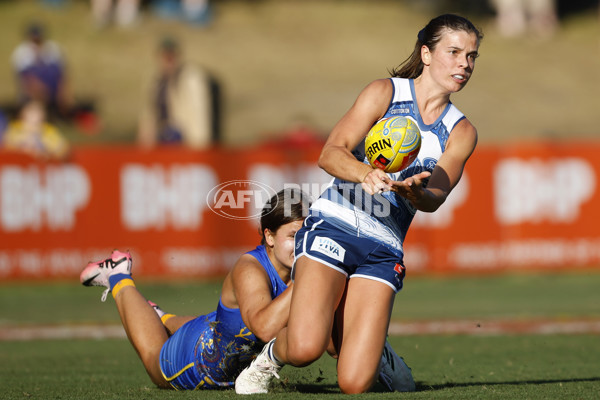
(349, 254)
(209, 351)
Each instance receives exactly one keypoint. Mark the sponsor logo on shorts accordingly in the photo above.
(328, 247)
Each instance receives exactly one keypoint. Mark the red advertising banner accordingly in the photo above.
(186, 213)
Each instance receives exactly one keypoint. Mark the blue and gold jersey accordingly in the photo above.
(211, 350)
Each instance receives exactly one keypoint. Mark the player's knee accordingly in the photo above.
(354, 381)
(303, 353)
(357, 385)
(150, 359)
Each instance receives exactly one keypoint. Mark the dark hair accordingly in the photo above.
(430, 36)
(288, 205)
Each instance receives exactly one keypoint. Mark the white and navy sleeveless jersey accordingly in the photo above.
(386, 217)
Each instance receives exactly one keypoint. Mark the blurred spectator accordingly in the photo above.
(197, 12)
(3, 123)
(40, 67)
(123, 12)
(181, 106)
(33, 135)
(41, 72)
(518, 17)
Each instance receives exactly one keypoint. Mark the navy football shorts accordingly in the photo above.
(351, 255)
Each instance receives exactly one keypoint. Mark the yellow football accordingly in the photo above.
(392, 144)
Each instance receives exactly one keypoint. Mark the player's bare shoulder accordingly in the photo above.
(464, 136)
(379, 87)
(376, 96)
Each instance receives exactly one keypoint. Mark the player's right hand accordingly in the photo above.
(376, 181)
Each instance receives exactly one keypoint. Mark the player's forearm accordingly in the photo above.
(339, 162)
(430, 200)
(270, 320)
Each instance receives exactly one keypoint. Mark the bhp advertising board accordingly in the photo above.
(185, 213)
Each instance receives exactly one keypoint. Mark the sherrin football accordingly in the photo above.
(392, 144)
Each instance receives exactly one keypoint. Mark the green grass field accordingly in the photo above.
(465, 366)
(445, 367)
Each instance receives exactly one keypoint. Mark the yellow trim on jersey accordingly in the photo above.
(181, 371)
(205, 381)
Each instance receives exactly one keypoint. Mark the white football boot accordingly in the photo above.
(258, 375)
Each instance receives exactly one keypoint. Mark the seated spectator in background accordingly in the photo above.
(123, 12)
(195, 12)
(180, 108)
(520, 17)
(33, 135)
(41, 73)
(40, 68)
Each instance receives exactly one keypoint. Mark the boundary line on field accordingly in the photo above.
(495, 327)
(397, 328)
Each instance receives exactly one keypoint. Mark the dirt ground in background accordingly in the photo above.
(287, 63)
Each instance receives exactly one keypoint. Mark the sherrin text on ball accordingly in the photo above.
(392, 144)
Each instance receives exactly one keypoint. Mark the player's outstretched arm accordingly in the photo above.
(445, 175)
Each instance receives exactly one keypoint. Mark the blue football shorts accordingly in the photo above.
(178, 355)
(351, 255)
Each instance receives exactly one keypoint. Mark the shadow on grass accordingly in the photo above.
(316, 388)
(424, 388)
(333, 389)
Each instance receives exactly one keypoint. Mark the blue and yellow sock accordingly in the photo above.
(164, 317)
(118, 282)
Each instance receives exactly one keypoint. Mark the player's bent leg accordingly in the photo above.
(317, 292)
(366, 313)
(144, 330)
(140, 321)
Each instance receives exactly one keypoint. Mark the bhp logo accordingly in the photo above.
(534, 191)
(34, 197)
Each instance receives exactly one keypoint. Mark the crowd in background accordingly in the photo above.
(181, 104)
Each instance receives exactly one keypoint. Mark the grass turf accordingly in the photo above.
(445, 367)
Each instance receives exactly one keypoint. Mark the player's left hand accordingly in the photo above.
(412, 187)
